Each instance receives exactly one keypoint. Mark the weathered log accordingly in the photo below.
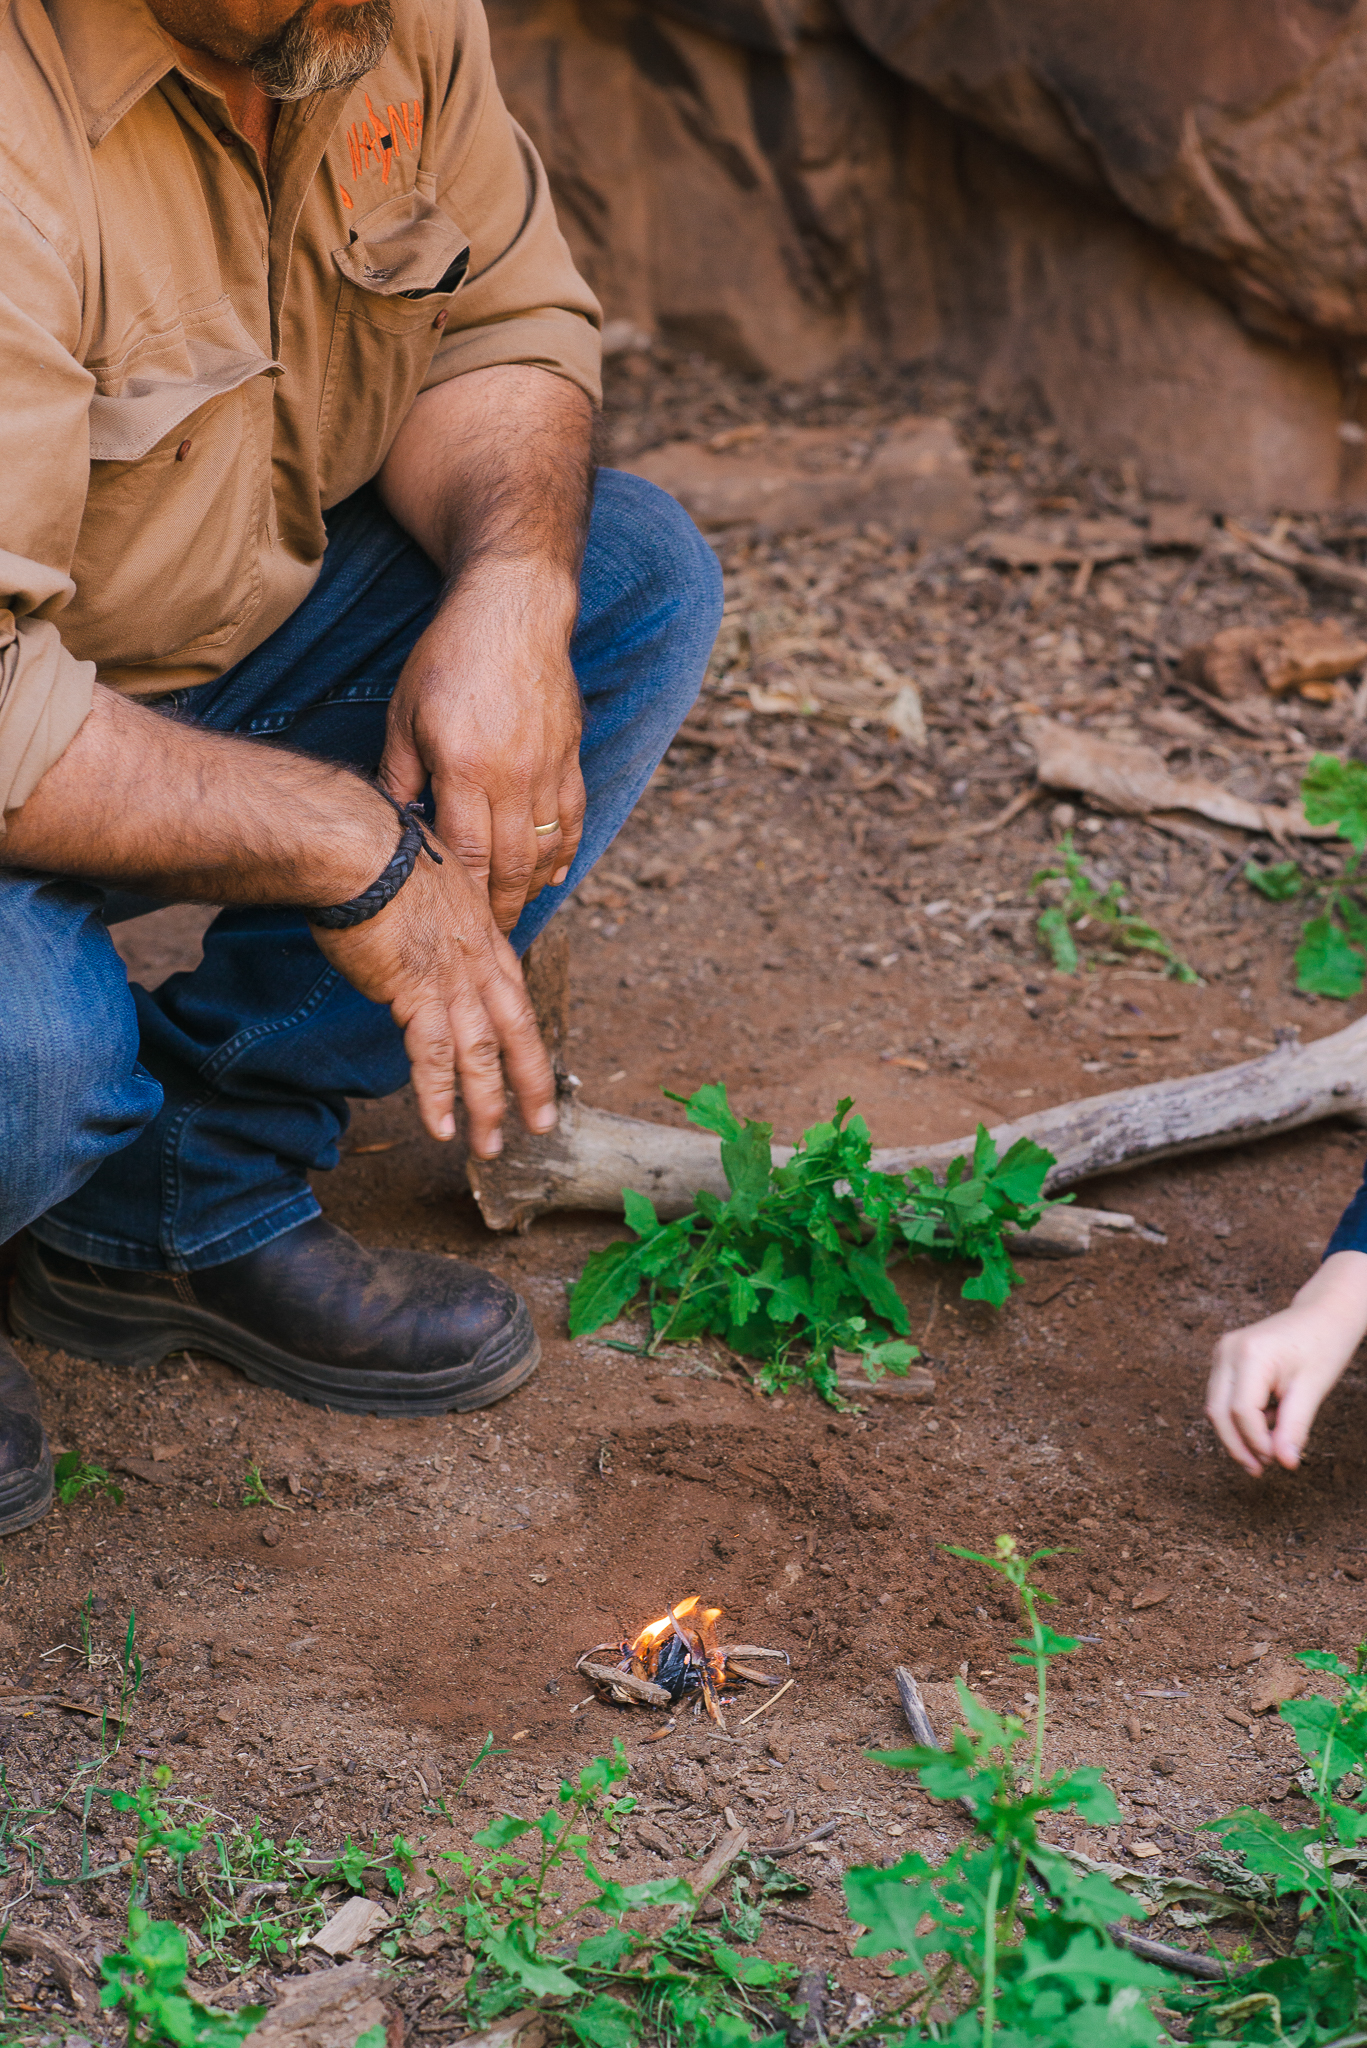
(592, 1155)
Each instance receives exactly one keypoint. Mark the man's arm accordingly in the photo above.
(137, 798)
(491, 473)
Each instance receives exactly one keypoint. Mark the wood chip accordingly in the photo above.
(75, 1976)
(703, 1880)
(351, 1926)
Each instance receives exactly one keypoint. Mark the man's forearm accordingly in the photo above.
(496, 467)
(141, 800)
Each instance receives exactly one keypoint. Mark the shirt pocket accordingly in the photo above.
(404, 262)
(168, 556)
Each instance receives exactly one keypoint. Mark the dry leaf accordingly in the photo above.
(1134, 780)
(1304, 654)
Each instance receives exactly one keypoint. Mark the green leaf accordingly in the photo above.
(606, 2023)
(1326, 965)
(610, 1279)
(515, 1959)
(1023, 1172)
(746, 1160)
(1057, 939)
(500, 1832)
(1334, 792)
(373, 2037)
(1279, 882)
(710, 1110)
(640, 1213)
(603, 1951)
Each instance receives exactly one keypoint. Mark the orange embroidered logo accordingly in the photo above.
(372, 140)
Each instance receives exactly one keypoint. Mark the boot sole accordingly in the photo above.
(93, 1322)
(25, 1497)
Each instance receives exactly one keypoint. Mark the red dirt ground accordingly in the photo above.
(435, 1580)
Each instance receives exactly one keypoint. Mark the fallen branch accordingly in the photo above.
(592, 1155)
(1315, 568)
(73, 1974)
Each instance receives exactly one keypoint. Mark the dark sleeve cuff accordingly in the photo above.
(1351, 1234)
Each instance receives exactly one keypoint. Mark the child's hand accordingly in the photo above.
(1291, 1359)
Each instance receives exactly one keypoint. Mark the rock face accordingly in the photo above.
(914, 479)
(1147, 217)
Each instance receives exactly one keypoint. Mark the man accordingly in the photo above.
(299, 527)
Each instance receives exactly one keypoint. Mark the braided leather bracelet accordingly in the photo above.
(383, 890)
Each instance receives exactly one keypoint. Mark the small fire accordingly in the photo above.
(674, 1657)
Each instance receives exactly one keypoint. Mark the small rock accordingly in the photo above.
(780, 1749)
(225, 1714)
(668, 1397)
(1166, 1766)
(1246, 1653)
(1132, 1727)
(1278, 1683)
(1145, 1849)
(827, 1784)
(270, 1534)
(1154, 1595)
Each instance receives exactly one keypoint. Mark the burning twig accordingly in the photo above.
(673, 1657)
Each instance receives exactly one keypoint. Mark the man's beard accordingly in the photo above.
(309, 56)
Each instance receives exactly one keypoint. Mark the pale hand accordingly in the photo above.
(453, 986)
(487, 706)
(1292, 1360)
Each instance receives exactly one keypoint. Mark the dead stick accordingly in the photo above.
(781, 1849)
(767, 1704)
(643, 1689)
(914, 1707)
(593, 1155)
(704, 1880)
(1317, 568)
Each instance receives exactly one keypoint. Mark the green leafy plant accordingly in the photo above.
(681, 1984)
(1316, 1994)
(72, 1477)
(793, 1266)
(1331, 959)
(1005, 1915)
(255, 1493)
(1085, 905)
(146, 1978)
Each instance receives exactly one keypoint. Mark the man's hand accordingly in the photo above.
(488, 706)
(1290, 1361)
(209, 817)
(454, 988)
(491, 475)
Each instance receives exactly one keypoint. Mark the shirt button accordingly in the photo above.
(183, 450)
(440, 320)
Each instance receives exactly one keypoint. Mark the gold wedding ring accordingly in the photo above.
(554, 826)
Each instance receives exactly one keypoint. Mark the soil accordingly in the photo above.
(333, 1664)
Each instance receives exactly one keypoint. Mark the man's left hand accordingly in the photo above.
(488, 706)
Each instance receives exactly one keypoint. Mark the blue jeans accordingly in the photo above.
(174, 1130)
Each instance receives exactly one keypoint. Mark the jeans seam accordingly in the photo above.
(215, 1068)
(212, 1072)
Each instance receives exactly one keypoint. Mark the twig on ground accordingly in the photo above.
(767, 1704)
(919, 841)
(821, 1834)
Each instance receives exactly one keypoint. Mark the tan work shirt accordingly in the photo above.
(196, 359)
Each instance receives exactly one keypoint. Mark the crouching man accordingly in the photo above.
(300, 532)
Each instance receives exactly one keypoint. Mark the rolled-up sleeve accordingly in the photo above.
(45, 693)
(523, 301)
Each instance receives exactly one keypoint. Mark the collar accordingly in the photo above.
(115, 53)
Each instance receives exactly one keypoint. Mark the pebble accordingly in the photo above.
(1132, 1728)
(825, 1784)
(780, 1749)
(270, 1534)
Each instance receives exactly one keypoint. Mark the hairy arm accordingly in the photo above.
(491, 473)
(197, 816)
